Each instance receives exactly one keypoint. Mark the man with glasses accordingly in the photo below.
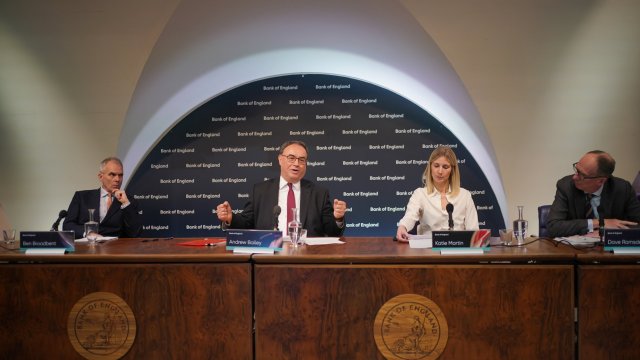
(317, 213)
(592, 188)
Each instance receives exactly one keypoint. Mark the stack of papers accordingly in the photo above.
(322, 240)
(579, 240)
(100, 238)
(421, 241)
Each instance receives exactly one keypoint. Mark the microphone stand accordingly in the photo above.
(276, 214)
(450, 211)
(601, 224)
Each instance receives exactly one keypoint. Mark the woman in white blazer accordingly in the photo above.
(428, 204)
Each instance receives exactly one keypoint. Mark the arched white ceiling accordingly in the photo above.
(209, 47)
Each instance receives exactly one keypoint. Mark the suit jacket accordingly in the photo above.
(566, 216)
(316, 209)
(118, 222)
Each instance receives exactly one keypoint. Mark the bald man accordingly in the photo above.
(591, 188)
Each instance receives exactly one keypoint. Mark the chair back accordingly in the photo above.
(636, 185)
(543, 212)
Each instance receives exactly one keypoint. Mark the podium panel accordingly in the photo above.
(181, 310)
(327, 311)
(608, 311)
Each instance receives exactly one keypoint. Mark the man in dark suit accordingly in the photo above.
(116, 214)
(316, 212)
(592, 188)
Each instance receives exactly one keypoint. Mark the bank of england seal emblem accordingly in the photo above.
(101, 326)
(410, 327)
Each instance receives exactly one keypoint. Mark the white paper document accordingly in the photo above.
(322, 240)
(45, 251)
(578, 240)
(100, 238)
(249, 250)
(421, 241)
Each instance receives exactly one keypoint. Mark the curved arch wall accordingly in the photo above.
(366, 144)
(209, 48)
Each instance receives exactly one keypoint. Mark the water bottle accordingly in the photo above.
(520, 227)
(294, 228)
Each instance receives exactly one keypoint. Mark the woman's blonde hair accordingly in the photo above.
(454, 177)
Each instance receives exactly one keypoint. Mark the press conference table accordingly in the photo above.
(188, 302)
(510, 303)
(609, 306)
(320, 301)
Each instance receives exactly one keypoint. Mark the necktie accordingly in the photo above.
(291, 203)
(589, 211)
(108, 201)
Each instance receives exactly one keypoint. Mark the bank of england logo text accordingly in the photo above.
(410, 326)
(101, 326)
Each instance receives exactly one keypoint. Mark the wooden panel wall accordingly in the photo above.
(493, 312)
(196, 311)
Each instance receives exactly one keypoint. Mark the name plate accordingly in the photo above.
(621, 238)
(461, 239)
(47, 240)
(258, 240)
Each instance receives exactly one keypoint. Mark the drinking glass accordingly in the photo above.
(9, 236)
(506, 236)
(91, 229)
(303, 236)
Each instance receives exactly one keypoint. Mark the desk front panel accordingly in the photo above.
(609, 311)
(188, 310)
(317, 311)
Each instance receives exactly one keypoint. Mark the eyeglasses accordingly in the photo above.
(582, 176)
(292, 159)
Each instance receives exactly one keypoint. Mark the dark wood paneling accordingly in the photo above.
(609, 312)
(492, 311)
(196, 311)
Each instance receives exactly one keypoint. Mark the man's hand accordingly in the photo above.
(224, 212)
(121, 196)
(339, 208)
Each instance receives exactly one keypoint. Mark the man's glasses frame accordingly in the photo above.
(583, 176)
(292, 159)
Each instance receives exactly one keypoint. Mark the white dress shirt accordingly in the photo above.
(427, 208)
(103, 204)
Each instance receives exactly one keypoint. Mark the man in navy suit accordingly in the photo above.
(116, 214)
(317, 213)
(592, 188)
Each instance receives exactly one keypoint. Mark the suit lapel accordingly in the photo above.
(93, 202)
(305, 200)
(605, 199)
(271, 197)
(579, 203)
(114, 208)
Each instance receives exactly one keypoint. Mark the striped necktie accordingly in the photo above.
(589, 208)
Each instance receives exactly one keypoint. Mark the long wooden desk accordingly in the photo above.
(188, 302)
(320, 302)
(609, 305)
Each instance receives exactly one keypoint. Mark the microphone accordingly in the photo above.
(62, 214)
(276, 213)
(450, 211)
(601, 224)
